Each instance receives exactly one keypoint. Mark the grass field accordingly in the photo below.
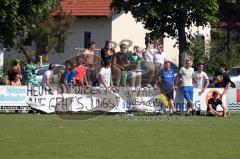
(25, 136)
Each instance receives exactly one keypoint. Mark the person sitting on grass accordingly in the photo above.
(212, 106)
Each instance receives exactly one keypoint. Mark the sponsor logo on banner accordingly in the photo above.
(238, 95)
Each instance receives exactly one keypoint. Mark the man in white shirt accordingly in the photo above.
(201, 80)
(186, 74)
(105, 76)
(159, 57)
(47, 76)
(149, 63)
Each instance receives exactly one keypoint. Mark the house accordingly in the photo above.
(95, 21)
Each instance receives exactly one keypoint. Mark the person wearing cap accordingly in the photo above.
(212, 106)
(14, 71)
(29, 71)
(89, 61)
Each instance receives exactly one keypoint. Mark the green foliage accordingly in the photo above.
(197, 50)
(219, 52)
(171, 17)
(51, 32)
(17, 16)
(9, 59)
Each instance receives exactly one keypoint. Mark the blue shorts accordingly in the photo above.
(188, 92)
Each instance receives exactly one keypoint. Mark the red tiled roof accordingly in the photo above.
(87, 7)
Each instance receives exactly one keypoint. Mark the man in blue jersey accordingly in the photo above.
(166, 83)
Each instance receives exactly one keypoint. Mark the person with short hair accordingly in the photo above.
(29, 71)
(201, 80)
(186, 74)
(149, 65)
(166, 83)
(80, 75)
(159, 57)
(105, 76)
(119, 64)
(65, 76)
(107, 51)
(47, 76)
(135, 67)
(212, 106)
(222, 79)
(89, 61)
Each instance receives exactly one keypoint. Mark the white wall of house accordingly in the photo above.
(100, 29)
(124, 27)
(172, 52)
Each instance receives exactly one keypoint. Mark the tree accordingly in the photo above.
(42, 21)
(171, 17)
(229, 12)
(17, 16)
(50, 33)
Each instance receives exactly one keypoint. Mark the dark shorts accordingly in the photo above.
(169, 93)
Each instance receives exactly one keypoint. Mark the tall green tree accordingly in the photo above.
(41, 21)
(171, 17)
(18, 16)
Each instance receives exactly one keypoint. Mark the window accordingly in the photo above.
(87, 38)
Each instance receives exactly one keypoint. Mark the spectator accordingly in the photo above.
(159, 57)
(107, 51)
(71, 77)
(65, 77)
(186, 74)
(212, 106)
(14, 71)
(166, 83)
(89, 61)
(105, 76)
(47, 76)
(29, 71)
(135, 67)
(80, 76)
(222, 79)
(17, 80)
(149, 62)
(201, 80)
(119, 65)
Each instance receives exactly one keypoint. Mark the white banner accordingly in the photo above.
(1, 61)
(121, 99)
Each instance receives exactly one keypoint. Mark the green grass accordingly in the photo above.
(24, 136)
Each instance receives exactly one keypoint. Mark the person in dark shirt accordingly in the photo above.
(166, 83)
(119, 64)
(212, 106)
(64, 80)
(107, 51)
(14, 71)
(222, 79)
